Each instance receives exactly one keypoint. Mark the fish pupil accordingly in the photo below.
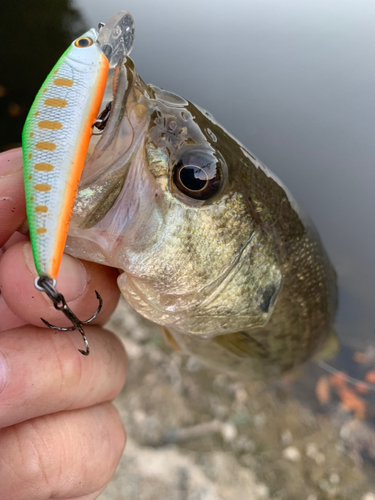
(191, 177)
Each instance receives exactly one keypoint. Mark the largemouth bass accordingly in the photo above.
(209, 242)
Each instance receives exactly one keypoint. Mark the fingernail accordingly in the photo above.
(3, 372)
(72, 278)
(10, 162)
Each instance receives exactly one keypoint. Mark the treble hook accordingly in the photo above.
(47, 285)
(102, 119)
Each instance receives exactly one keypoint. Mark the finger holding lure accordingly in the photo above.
(55, 140)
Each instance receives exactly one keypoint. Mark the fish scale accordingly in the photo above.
(55, 140)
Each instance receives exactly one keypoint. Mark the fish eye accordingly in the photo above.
(198, 174)
(83, 42)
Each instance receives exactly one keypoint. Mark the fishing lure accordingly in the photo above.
(55, 140)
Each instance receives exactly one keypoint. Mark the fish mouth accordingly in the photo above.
(114, 178)
(111, 156)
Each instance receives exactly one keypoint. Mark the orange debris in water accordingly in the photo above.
(370, 376)
(323, 391)
(361, 358)
(350, 401)
(361, 388)
(339, 379)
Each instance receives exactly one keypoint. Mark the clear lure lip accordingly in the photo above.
(116, 37)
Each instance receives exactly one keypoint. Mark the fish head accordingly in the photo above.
(164, 197)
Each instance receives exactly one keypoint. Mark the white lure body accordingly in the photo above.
(55, 140)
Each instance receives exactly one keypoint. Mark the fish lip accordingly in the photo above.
(106, 170)
(122, 83)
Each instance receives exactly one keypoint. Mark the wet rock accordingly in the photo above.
(169, 474)
(286, 437)
(197, 434)
(368, 496)
(313, 452)
(359, 436)
(334, 478)
(228, 431)
(292, 454)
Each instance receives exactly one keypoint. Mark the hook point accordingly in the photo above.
(47, 285)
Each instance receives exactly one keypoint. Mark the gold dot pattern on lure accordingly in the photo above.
(58, 121)
(30, 156)
(42, 187)
(46, 146)
(50, 125)
(41, 209)
(56, 102)
(44, 167)
(63, 82)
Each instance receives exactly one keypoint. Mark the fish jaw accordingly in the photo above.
(234, 296)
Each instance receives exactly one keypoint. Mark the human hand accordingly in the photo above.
(60, 437)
